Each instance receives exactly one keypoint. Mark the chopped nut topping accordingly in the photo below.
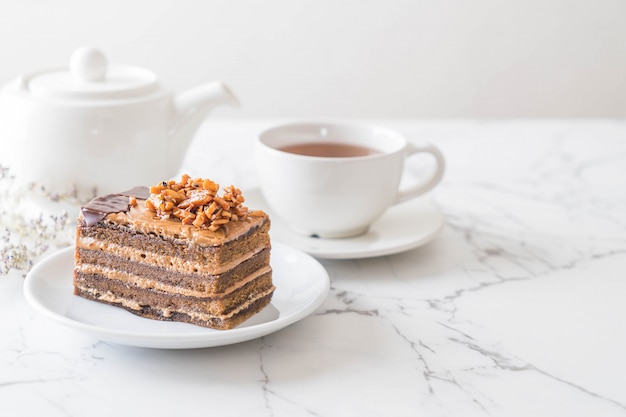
(196, 202)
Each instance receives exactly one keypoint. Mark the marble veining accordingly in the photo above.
(515, 309)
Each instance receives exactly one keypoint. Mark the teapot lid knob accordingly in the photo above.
(88, 64)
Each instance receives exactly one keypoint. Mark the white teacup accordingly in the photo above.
(340, 193)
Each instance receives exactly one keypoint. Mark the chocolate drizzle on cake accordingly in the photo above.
(98, 208)
(140, 192)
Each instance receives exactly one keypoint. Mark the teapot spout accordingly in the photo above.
(190, 109)
(203, 98)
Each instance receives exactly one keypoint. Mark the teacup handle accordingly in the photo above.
(434, 177)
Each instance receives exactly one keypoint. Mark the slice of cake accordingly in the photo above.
(179, 251)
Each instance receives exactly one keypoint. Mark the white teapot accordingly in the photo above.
(98, 128)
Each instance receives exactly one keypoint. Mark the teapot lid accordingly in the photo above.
(89, 76)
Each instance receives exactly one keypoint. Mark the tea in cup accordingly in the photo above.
(332, 180)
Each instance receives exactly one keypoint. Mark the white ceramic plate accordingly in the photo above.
(403, 227)
(301, 282)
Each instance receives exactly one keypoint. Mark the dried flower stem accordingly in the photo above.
(24, 235)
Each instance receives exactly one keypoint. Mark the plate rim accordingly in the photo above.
(190, 340)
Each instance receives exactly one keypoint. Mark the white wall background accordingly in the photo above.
(349, 58)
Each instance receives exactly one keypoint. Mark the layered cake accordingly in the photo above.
(178, 251)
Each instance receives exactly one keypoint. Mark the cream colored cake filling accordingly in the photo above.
(160, 260)
(146, 283)
(112, 298)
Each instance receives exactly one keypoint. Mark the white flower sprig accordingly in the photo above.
(26, 234)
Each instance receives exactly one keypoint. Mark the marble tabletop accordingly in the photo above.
(516, 308)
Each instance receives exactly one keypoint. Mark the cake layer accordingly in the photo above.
(221, 322)
(171, 252)
(148, 276)
(116, 291)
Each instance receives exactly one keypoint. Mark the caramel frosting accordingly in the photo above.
(116, 208)
(142, 220)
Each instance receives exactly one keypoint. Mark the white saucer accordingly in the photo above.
(301, 282)
(403, 227)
